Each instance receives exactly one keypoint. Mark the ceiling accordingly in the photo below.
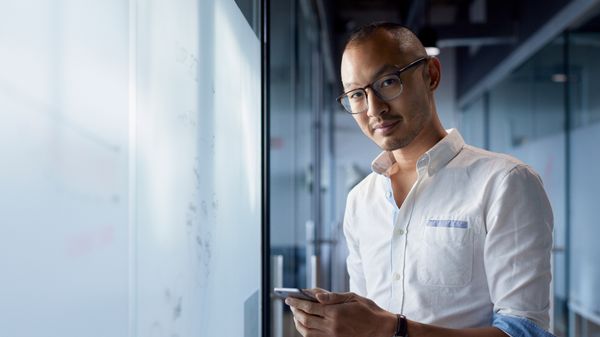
(481, 32)
(458, 23)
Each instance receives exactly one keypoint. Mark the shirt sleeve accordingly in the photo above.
(354, 261)
(518, 327)
(518, 247)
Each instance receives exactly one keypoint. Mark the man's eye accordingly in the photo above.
(356, 95)
(390, 81)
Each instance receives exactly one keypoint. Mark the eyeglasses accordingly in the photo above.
(386, 88)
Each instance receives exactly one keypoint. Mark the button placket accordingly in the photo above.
(399, 284)
(398, 243)
(399, 239)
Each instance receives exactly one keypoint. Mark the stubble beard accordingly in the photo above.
(402, 140)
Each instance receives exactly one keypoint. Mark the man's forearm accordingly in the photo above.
(351, 315)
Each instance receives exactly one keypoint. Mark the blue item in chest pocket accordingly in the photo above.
(448, 223)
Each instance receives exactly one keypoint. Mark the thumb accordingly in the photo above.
(334, 298)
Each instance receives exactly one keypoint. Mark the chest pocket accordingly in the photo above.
(445, 256)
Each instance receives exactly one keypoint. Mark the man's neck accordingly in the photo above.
(407, 157)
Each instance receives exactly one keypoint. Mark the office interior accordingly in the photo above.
(165, 164)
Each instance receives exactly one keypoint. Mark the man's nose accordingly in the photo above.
(377, 106)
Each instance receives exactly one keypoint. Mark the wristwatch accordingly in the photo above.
(401, 326)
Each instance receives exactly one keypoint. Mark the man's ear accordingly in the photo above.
(434, 72)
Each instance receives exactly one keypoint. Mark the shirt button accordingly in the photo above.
(399, 231)
(397, 277)
(388, 195)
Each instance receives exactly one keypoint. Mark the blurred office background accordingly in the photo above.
(165, 164)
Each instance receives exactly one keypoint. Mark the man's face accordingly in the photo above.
(395, 123)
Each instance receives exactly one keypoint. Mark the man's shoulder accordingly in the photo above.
(366, 186)
(491, 162)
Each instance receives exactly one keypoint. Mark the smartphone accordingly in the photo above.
(294, 292)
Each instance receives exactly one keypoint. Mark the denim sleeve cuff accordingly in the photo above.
(518, 326)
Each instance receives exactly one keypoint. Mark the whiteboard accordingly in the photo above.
(197, 175)
(130, 193)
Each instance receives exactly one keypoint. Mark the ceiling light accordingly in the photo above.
(432, 51)
(559, 78)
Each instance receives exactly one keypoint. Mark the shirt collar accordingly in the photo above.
(434, 159)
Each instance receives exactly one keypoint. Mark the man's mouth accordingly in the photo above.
(385, 127)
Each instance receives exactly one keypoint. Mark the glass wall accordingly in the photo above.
(529, 104)
(298, 140)
(584, 182)
(292, 164)
(473, 122)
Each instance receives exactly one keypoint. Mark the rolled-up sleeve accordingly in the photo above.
(518, 327)
(518, 248)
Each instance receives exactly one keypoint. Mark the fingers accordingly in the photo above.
(306, 306)
(327, 297)
(316, 291)
(300, 327)
(310, 323)
(335, 298)
(308, 332)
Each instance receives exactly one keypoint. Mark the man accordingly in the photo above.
(445, 239)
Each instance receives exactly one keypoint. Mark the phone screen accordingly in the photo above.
(294, 292)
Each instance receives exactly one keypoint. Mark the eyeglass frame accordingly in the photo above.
(370, 85)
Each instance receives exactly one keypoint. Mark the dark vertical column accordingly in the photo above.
(486, 120)
(567, 124)
(332, 186)
(317, 89)
(297, 256)
(265, 170)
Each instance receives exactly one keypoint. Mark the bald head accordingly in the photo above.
(404, 39)
(376, 49)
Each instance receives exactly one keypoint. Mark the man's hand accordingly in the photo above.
(341, 314)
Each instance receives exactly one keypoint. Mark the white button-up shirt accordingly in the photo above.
(472, 238)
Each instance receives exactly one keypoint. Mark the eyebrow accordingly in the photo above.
(383, 70)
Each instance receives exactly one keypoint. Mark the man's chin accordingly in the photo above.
(392, 145)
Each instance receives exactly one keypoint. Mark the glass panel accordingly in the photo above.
(584, 297)
(64, 159)
(584, 84)
(472, 123)
(290, 152)
(295, 169)
(197, 170)
(529, 103)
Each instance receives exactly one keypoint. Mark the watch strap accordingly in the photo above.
(401, 326)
